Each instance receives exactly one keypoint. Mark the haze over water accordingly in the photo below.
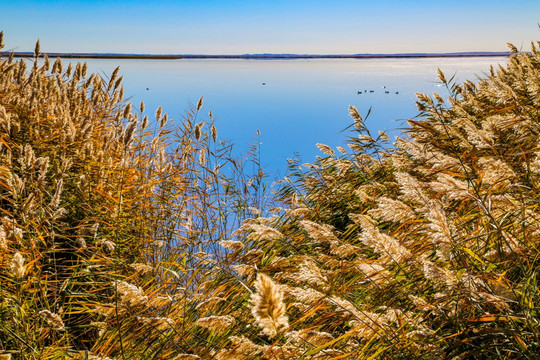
(294, 103)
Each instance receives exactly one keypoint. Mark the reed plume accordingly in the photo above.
(53, 319)
(17, 266)
(268, 307)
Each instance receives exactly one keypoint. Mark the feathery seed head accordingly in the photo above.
(142, 268)
(326, 149)
(158, 113)
(81, 243)
(320, 233)
(213, 130)
(107, 245)
(312, 337)
(53, 320)
(131, 295)
(17, 266)
(37, 50)
(232, 245)
(512, 48)
(186, 357)
(216, 323)
(268, 307)
(128, 133)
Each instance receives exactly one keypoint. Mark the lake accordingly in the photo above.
(294, 103)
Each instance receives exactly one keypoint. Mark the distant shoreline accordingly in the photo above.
(257, 56)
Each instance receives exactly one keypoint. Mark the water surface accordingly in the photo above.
(294, 103)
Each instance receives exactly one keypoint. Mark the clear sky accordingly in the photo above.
(269, 26)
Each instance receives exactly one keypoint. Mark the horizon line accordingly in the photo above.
(24, 54)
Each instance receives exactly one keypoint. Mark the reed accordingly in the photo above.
(110, 225)
(424, 248)
(117, 241)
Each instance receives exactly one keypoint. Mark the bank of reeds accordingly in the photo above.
(427, 248)
(116, 238)
(108, 217)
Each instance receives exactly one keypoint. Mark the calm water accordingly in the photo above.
(303, 102)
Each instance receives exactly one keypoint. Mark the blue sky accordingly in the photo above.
(277, 26)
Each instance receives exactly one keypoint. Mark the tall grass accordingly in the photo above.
(116, 233)
(108, 217)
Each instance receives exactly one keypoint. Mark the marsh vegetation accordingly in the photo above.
(124, 237)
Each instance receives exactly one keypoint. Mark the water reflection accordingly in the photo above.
(294, 103)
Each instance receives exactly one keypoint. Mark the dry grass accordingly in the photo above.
(424, 249)
(107, 217)
(116, 234)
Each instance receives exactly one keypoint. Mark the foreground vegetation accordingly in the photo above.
(116, 243)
